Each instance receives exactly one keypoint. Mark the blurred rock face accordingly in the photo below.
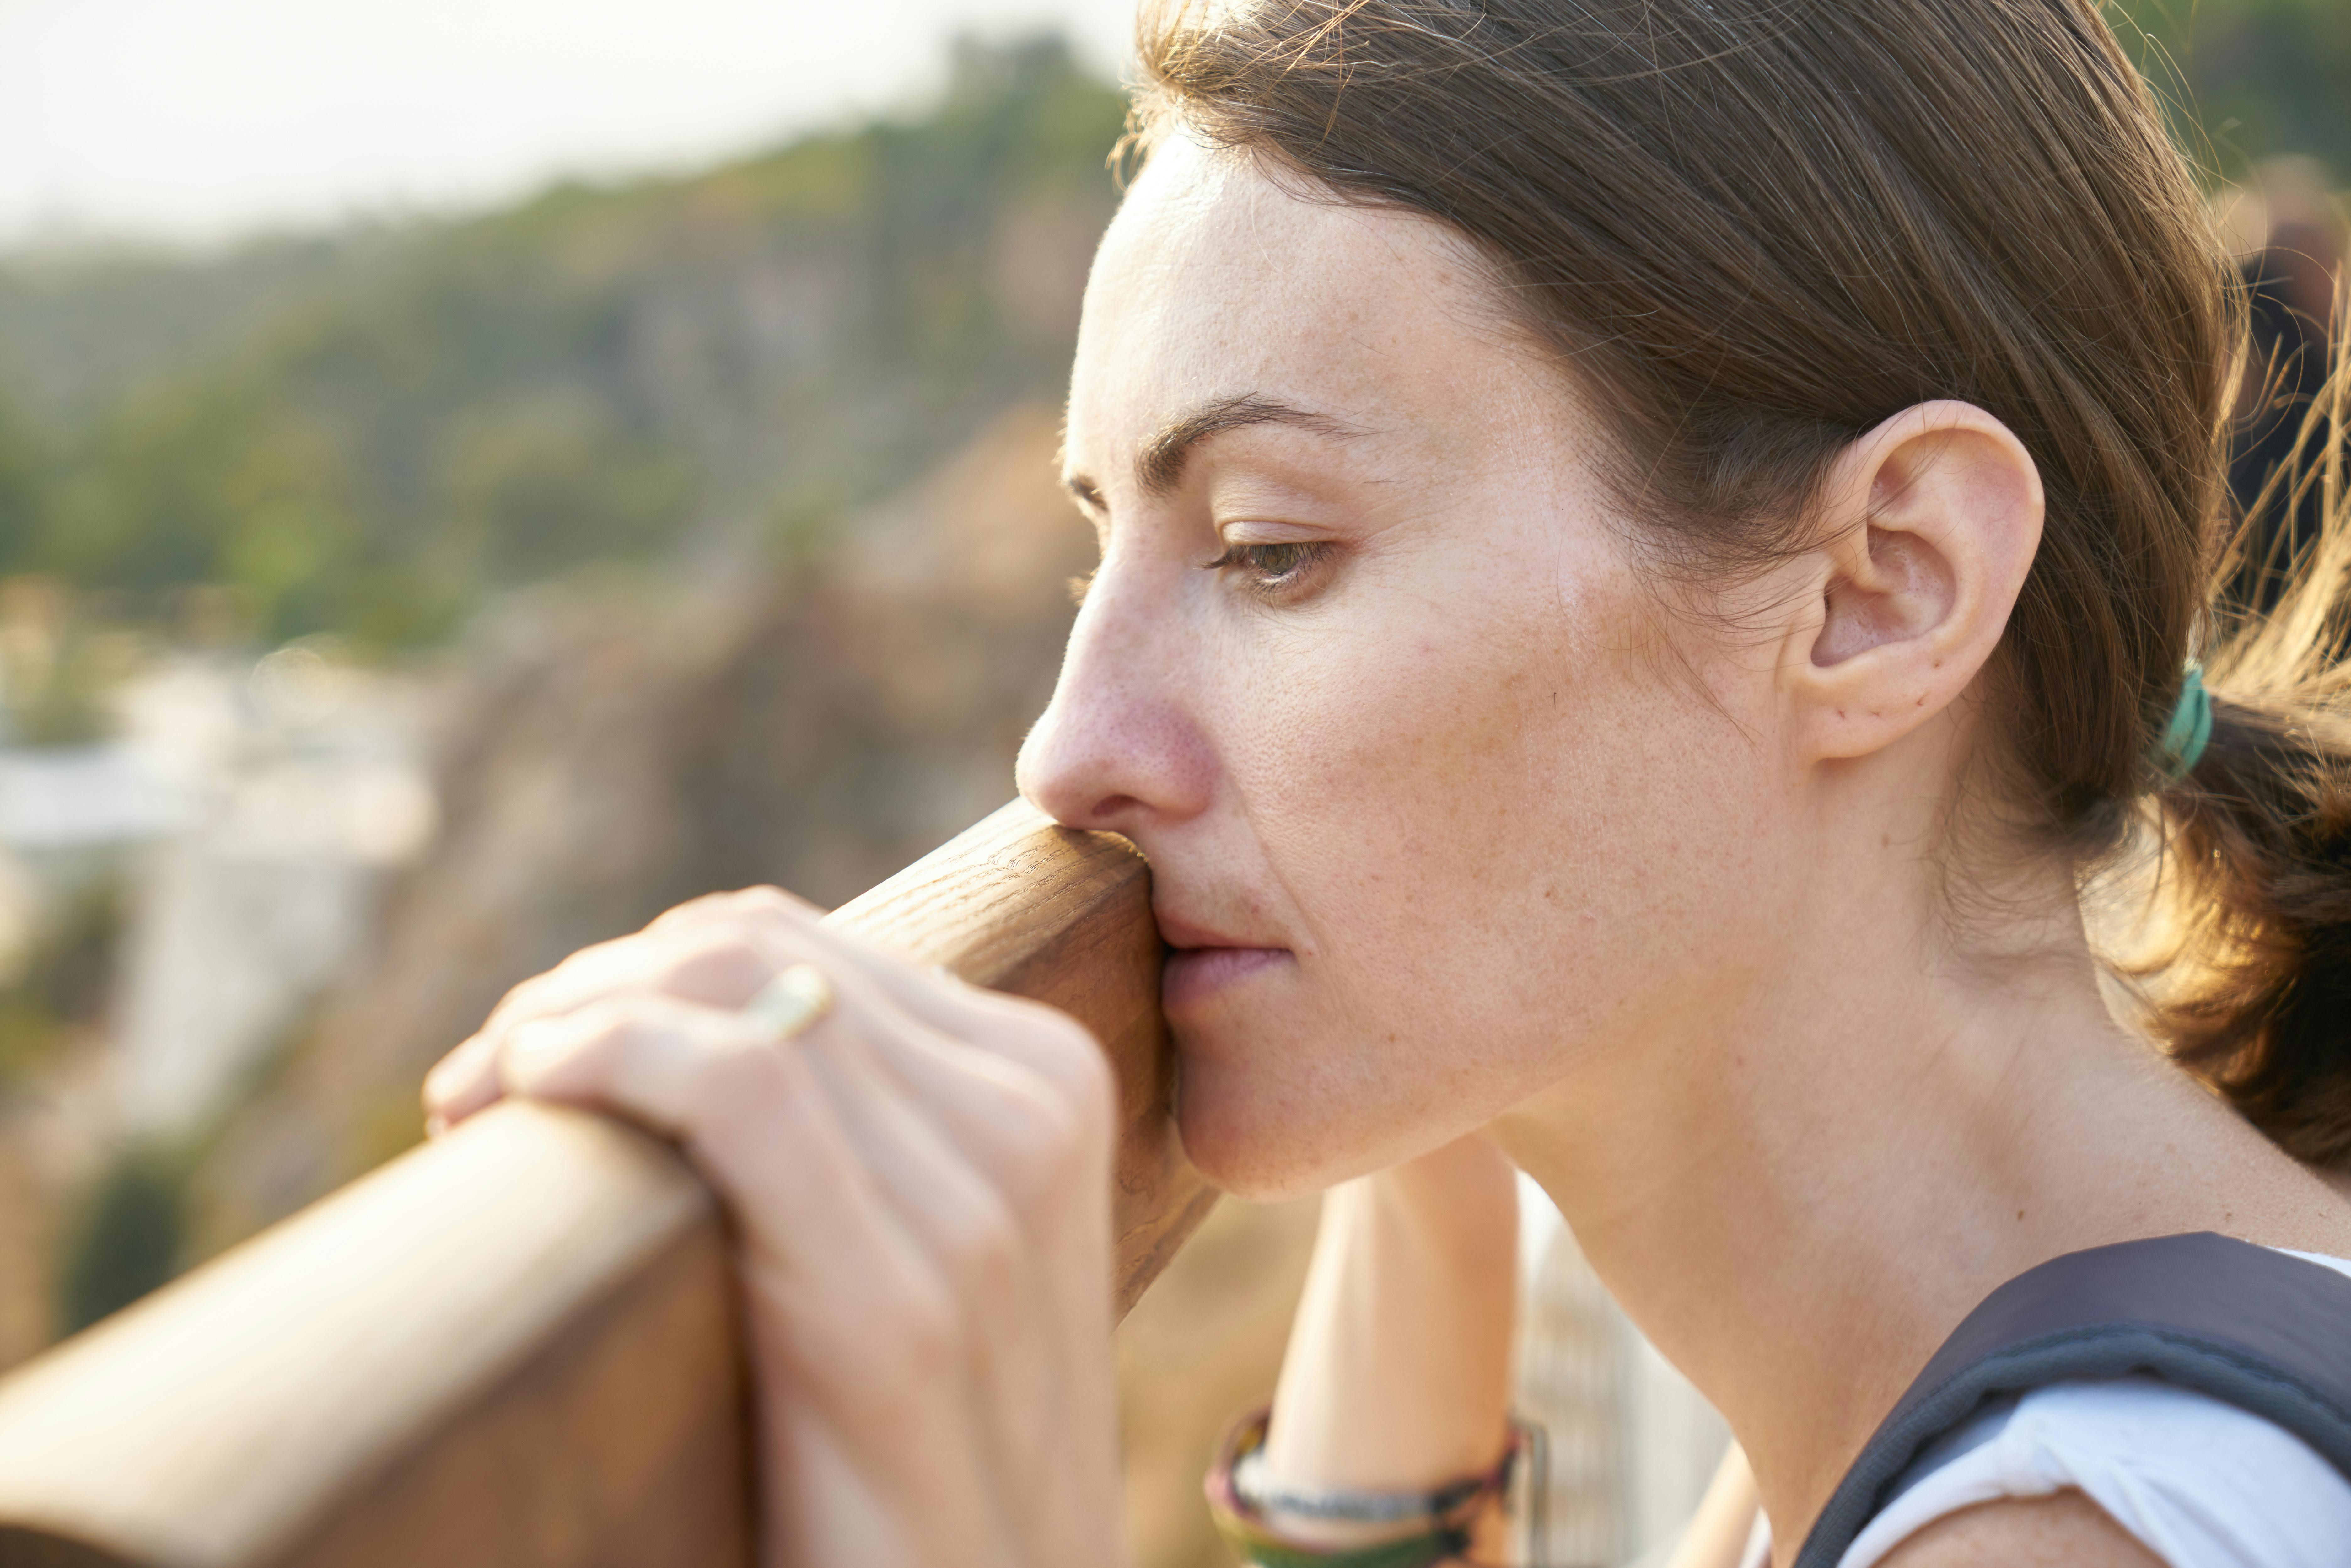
(610, 751)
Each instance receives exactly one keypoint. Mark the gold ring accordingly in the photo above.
(790, 1005)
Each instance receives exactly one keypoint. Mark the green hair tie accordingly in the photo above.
(2190, 727)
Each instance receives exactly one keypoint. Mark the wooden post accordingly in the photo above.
(515, 1347)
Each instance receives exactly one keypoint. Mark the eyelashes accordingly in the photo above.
(1272, 570)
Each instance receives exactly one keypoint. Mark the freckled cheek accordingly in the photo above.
(1420, 784)
(1516, 809)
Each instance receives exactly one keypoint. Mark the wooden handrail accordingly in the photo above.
(516, 1346)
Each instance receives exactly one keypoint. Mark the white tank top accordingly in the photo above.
(2198, 1482)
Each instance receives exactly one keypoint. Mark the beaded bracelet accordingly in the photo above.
(1445, 1515)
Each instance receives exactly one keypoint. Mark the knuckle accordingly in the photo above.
(1046, 1142)
(767, 898)
(925, 1324)
(1075, 1062)
(522, 999)
(739, 1090)
(602, 1025)
(983, 1244)
(1057, 1045)
(724, 963)
(763, 902)
(595, 958)
(691, 911)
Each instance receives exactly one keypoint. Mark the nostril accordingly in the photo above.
(1111, 810)
(1084, 809)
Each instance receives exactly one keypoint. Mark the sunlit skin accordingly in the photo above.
(1653, 883)
(1472, 831)
(1389, 753)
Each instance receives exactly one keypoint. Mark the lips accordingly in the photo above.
(1205, 962)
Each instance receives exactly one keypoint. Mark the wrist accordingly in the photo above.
(1459, 1204)
(1278, 1523)
(1398, 1370)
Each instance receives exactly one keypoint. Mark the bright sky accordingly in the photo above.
(202, 118)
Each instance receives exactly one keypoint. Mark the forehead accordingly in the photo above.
(1216, 280)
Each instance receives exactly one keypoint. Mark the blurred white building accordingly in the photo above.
(251, 812)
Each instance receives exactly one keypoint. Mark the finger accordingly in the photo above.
(1000, 1275)
(462, 1083)
(859, 1211)
(673, 954)
(1047, 1151)
(920, 1167)
(763, 929)
(713, 949)
(684, 961)
(753, 1118)
(1009, 1120)
(938, 1117)
(657, 1059)
(717, 1082)
(791, 930)
(733, 905)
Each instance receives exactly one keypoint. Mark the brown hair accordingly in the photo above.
(1767, 225)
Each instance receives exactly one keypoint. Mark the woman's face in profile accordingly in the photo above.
(1442, 808)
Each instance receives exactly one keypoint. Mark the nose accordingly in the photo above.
(1120, 747)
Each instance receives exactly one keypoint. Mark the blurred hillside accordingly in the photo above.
(629, 526)
(369, 434)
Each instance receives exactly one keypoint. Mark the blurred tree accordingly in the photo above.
(126, 1243)
(21, 483)
(686, 368)
(2254, 79)
(662, 368)
(55, 981)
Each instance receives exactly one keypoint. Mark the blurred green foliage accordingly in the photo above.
(368, 432)
(21, 484)
(684, 367)
(2253, 79)
(125, 1242)
(61, 986)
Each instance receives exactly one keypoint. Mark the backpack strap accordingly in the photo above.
(2259, 1329)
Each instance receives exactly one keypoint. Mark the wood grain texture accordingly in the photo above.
(986, 907)
(517, 1345)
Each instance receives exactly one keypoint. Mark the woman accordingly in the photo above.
(1648, 549)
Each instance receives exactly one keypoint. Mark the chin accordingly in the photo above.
(1251, 1139)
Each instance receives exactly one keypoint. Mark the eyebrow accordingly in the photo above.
(1159, 466)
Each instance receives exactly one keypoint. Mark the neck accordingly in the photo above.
(1800, 1190)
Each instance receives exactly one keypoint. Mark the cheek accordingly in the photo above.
(1499, 836)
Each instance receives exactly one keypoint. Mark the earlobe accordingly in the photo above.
(1933, 521)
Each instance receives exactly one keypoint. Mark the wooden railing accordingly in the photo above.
(516, 1346)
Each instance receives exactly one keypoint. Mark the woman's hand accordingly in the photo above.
(920, 1185)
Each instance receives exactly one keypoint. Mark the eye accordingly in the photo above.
(1271, 568)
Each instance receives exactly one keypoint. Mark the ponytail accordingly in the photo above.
(2253, 990)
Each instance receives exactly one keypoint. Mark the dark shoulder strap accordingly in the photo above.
(2259, 1329)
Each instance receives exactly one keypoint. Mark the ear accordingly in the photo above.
(1933, 519)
